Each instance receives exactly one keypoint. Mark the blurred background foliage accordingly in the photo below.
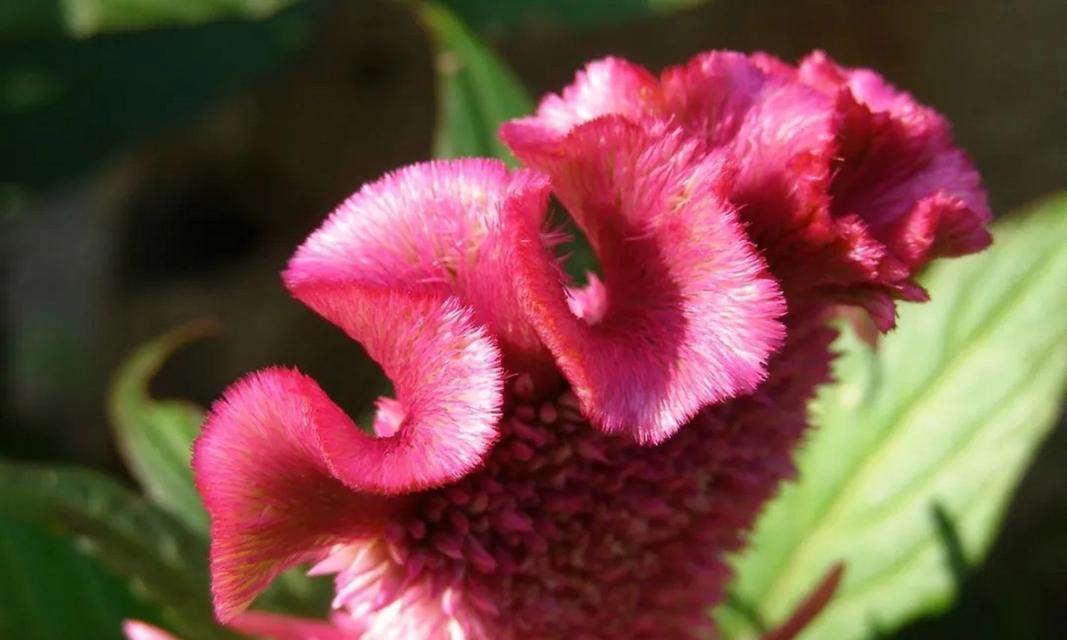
(159, 160)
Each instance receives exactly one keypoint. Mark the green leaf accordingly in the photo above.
(920, 445)
(156, 437)
(165, 562)
(90, 17)
(86, 17)
(476, 92)
(49, 590)
(581, 13)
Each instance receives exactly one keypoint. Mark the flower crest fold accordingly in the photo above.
(687, 313)
(847, 185)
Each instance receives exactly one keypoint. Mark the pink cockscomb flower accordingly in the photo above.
(511, 489)
(564, 461)
(847, 185)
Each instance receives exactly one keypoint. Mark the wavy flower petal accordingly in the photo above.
(268, 485)
(284, 471)
(448, 380)
(689, 314)
(437, 227)
(780, 135)
(847, 185)
(898, 162)
(607, 86)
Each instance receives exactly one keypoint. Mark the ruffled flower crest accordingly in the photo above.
(446, 276)
(686, 314)
(576, 461)
(847, 185)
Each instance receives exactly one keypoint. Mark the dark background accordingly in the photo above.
(160, 198)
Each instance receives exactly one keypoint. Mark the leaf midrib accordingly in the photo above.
(959, 446)
(856, 588)
(834, 505)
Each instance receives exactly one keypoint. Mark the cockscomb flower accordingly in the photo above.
(511, 489)
(559, 461)
(847, 185)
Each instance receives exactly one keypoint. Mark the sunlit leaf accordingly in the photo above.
(476, 92)
(49, 590)
(165, 563)
(156, 437)
(920, 445)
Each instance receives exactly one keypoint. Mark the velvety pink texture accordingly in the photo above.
(689, 312)
(446, 274)
(448, 381)
(566, 531)
(847, 185)
(566, 460)
(433, 227)
(265, 472)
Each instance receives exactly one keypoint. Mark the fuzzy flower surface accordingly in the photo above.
(565, 461)
(847, 184)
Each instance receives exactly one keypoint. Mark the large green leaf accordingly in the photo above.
(476, 92)
(165, 562)
(49, 590)
(919, 446)
(156, 437)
